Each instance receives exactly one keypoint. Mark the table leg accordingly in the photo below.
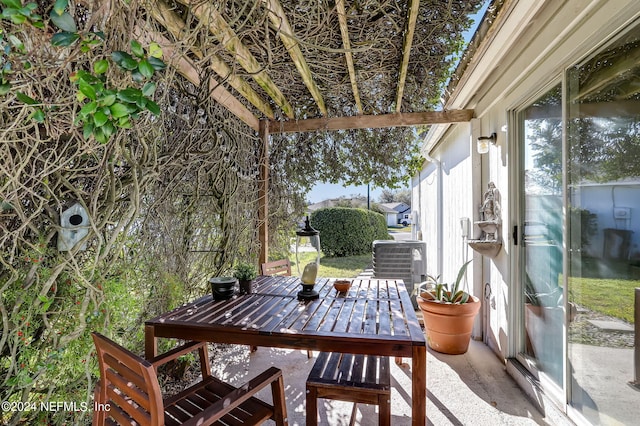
(419, 386)
(150, 342)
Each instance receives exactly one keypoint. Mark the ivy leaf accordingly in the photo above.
(108, 100)
(119, 110)
(16, 43)
(87, 90)
(88, 108)
(87, 129)
(99, 135)
(26, 99)
(156, 63)
(145, 68)
(60, 6)
(129, 95)
(153, 107)
(4, 88)
(124, 60)
(141, 102)
(65, 21)
(108, 129)
(64, 39)
(38, 115)
(101, 66)
(17, 19)
(155, 51)
(16, 4)
(124, 123)
(100, 118)
(149, 88)
(137, 49)
(137, 76)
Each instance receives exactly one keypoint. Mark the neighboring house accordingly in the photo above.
(402, 213)
(390, 214)
(557, 83)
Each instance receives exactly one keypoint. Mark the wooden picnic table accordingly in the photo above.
(374, 317)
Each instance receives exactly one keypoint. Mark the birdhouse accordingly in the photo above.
(74, 226)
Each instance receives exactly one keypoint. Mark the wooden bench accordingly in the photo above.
(276, 267)
(362, 379)
(129, 392)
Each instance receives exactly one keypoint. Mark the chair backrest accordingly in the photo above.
(128, 391)
(277, 267)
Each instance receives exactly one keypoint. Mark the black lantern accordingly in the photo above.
(308, 239)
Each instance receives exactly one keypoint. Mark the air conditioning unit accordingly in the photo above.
(404, 260)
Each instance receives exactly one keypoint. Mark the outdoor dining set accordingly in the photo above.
(355, 331)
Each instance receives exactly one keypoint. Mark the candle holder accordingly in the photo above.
(308, 239)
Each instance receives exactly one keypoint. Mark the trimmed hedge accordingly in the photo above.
(348, 231)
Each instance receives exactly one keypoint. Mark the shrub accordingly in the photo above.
(347, 231)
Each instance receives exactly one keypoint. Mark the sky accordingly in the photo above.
(323, 191)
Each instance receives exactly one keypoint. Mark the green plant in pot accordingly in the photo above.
(448, 312)
(245, 273)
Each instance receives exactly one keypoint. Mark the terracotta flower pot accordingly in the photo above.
(448, 326)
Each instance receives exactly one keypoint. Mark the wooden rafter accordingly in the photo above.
(281, 22)
(188, 70)
(166, 16)
(209, 16)
(414, 5)
(346, 43)
(371, 121)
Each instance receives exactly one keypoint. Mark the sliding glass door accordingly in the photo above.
(603, 176)
(541, 222)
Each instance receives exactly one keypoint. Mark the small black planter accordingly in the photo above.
(246, 286)
(223, 287)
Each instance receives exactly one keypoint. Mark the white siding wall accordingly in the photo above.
(528, 54)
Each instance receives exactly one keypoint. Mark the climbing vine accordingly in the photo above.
(93, 112)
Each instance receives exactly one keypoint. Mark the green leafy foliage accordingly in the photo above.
(109, 109)
(103, 109)
(441, 292)
(245, 271)
(348, 231)
(18, 14)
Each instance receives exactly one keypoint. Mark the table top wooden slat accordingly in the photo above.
(371, 312)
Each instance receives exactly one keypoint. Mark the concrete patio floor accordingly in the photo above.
(470, 389)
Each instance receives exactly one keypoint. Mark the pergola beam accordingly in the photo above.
(166, 16)
(209, 16)
(279, 20)
(414, 6)
(371, 121)
(346, 43)
(185, 67)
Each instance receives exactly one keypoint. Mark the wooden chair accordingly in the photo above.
(276, 267)
(129, 393)
(362, 379)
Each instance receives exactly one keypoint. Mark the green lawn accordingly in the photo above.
(607, 287)
(613, 297)
(338, 267)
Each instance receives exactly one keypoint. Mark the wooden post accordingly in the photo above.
(263, 192)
